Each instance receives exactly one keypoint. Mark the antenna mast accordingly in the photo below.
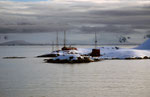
(64, 38)
(95, 41)
(57, 42)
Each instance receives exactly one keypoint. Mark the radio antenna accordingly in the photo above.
(57, 42)
(64, 38)
(95, 41)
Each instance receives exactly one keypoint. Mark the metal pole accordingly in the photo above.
(57, 42)
(64, 38)
(95, 41)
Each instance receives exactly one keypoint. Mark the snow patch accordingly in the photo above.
(68, 57)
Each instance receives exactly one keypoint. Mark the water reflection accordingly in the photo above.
(31, 77)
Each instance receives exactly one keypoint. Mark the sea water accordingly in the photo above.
(31, 77)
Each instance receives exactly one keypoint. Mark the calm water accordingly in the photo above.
(31, 77)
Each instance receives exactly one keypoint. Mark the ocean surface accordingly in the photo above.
(31, 77)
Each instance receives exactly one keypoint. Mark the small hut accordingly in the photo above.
(95, 53)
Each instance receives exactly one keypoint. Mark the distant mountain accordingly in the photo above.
(15, 42)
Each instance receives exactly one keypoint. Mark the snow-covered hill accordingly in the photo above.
(141, 51)
(15, 42)
(144, 46)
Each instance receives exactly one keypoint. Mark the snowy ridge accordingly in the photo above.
(126, 53)
(145, 45)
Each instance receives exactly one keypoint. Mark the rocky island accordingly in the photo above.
(84, 55)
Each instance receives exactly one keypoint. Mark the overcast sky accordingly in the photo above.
(125, 17)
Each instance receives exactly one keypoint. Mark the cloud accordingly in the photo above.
(87, 16)
(108, 29)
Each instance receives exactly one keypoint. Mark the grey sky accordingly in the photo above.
(57, 15)
(76, 16)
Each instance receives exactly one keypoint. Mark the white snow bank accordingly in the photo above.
(60, 52)
(115, 52)
(84, 51)
(144, 46)
(140, 51)
(68, 56)
(126, 53)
